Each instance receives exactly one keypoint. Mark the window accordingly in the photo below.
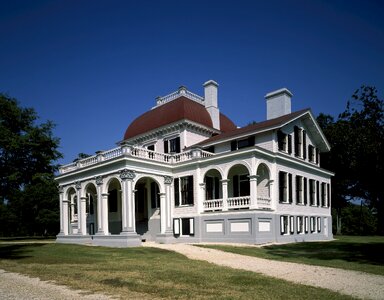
(299, 190)
(318, 224)
(285, 187)
(212, 188)
(305, 191)
(284, 142)
(306, 224)
(241, 185)
(183, 190)
(172, 145)
(183, 226)
(300, 137)
(151, 147)
(210, 149)
(300, 224)
(239, 144)
(284, 224)
(312, 192)
(317, 193)
(112, 200)
(311, 153)
(155, 197)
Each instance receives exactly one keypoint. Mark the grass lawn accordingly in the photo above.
(359, 253)
(146, 273)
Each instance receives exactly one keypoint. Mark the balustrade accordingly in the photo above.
(239, 202)
(213, 204)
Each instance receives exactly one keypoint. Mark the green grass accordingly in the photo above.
(363, 254)
(146, 273)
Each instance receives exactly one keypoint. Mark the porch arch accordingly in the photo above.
(113, 188)
(263, 181)
(71, 197)
(90, 191)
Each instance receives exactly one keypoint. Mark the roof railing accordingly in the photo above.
(182, 91)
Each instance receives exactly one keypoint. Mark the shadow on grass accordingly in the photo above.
(364, 253)
(17, 251)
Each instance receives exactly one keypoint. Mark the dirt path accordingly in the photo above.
(20, 287)
(357, 284)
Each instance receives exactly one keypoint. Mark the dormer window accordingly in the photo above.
(313, 154)
(172, 145)
(284, 142)
(243, 143)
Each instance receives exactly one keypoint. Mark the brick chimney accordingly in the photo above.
(210, 100)
(278, 103)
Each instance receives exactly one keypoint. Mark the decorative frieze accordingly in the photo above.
(127, 174)
(99, 180)
(78, 185)
(168, 179)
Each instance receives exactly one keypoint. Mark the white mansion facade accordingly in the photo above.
(185, 173)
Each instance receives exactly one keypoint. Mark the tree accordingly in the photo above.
(28, 151)
(357, 141)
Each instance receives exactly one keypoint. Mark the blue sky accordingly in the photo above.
(94, 66)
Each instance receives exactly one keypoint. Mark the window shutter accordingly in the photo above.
(233, 145)
(318, 193)
(318, 224)
(306, 224)
(304, 144)
(191, 226)
(289, 144)
(290, 188)
(177, 141)
(190, 190)
(176, 188)
(305, 191)
(281, 186)
(291, 224)
(166, 147)
(296, 136)
(280, 137)
(328, 195)
(297, 189)
(236, 186)
(176, 226)
(317, 156)
(282, 227)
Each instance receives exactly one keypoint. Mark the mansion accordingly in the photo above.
(184, 172)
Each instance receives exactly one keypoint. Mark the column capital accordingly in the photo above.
(225, 180)
(61, 189)
(253, 177)
(78, 185)
(104, 194)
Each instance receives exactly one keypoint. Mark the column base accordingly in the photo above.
(165, 238)
(124, 239)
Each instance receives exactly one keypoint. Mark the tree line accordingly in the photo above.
(29, 203)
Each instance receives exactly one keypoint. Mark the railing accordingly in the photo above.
(135, 152)
(239, 202)
(182, 91)
(264, 202)
(214, 204)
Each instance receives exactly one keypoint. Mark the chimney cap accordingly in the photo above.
(210, 82)
(278, 93)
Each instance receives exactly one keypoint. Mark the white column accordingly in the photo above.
(124, 205)
(104, 213)
(131, 206)
(100, 227)
(224, 187)
(163, 213)
(127, 177)
(61, 195)
(168, 203)
(65, 216)
(253, 191)
(78, 200)
(83, 218)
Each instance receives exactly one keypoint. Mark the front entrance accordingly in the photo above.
(147, 208)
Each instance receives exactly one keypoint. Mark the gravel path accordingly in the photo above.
(20, 287)
(357, 284)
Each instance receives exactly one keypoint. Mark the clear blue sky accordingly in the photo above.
(94, 66)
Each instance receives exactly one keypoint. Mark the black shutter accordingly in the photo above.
(289, 144)
(190, 190)
(280, 140)
(236, 186)
(317, 155)
(290, 187)
(318, 193)
(297, 189)
(328, 195)
(305, 191)
(166, 147)
(177, 141)
(281, 186)
(304, 144)
(296, 133)
(233, 145)
(176, 188)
